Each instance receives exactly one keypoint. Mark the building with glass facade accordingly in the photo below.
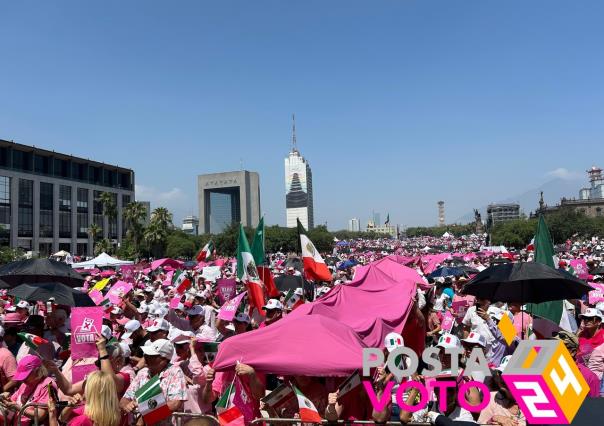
(227, 198)
(49, 200)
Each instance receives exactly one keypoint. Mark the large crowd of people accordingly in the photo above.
(143, 337)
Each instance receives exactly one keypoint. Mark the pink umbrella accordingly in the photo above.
(177, 264)
(107, 273)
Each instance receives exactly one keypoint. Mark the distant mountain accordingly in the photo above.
(553, 191)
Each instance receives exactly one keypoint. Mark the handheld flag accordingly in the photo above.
(228, 413)
(248, 273)
(181, 282)
(258, 244)
(308, 412)
(32, 340)
(152, 403)
(206, 253)
(314, 265)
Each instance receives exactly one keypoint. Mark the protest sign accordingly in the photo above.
(86, 324)
(225, 289)
(460, 305)
(447, 322)
(119, 290)
(596, 295)
(127, 273)
(100, 285)
(580, 267)
(229, 309)
(97, 297)
(211, 273)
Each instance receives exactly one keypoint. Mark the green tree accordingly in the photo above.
(156, 234)
(134, 214)
(94, 231)
(109, 207)
(181, 245)
(103, 245)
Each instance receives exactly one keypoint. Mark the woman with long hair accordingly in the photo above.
(101, 404)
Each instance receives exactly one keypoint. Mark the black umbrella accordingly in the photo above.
(294, 262)
(4, 285)
(41, 292)
(32, 271)
(284, 283)
(469, 270)
(525, 282)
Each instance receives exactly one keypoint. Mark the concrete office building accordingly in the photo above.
(227, 198)
(298, 188)
(49, 200)
(354, 225)
(190, 225)
(498, 213)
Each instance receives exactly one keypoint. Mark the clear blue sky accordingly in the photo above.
(398, 103)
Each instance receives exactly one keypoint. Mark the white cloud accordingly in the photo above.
(175, 200)
(565, 174)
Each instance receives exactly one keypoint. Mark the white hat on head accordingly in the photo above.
(299, 292)
(196, 310)
(161, 347)
(504, 362)
(448, 341)
(591, 313)
(106, 332)
(159, 324)
(242, 317)
(143, 309)
(273, 304)
(476, 338)
(23, 304)
(393, 341)
(116, 311)
(125, 349)
(131, 326)
(495, 312)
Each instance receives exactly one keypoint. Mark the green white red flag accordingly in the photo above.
(206, 253)
(181, 281)
(32, 340)
(314, 265)
(228, 413)
(308, 411)
(248, 273)
(152, 403)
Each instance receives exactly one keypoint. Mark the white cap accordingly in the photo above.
(590, 313)
(131, 326)
(161, 347)
(448, 341)
(476, 338)
(196, 310)
(23, 304)
(180, 307)
(159, 324)
(393, 341)
(116, 311)
(299, 292)
(495, 312)
(242, 317)
(149, 290)
(143, 309)
(273, 304)
(106, 332)
(125, 349)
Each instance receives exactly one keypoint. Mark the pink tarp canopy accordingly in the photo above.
(177, 264)
(403, 260)
(312, 345)
(376, 302)
(431, 261)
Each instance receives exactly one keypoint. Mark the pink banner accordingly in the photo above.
(596, 295)
(580, 268)
(460, 305)
(174, 302)
(128, 273)
(79, 372)
(447, 322)
(225, 289)
(119, 290)
(86, 323)
(229, 309)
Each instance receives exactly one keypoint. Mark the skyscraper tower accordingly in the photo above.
(298, 186)
(441, 213)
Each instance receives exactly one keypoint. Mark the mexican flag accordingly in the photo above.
(32, 340)
(308, 412)
(152, 403)
(181, 282)
(206, 252)
(314, 266)
(554, 311)
(228, 413)
(248, 273)
(292, 300)
(258, 244)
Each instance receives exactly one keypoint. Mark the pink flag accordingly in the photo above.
(596, 295)
(86, 323)
(127, 273)
(225, 289)
(580, 268)
(243, 400)
(229, 309)
(174, 302)
(119, 290)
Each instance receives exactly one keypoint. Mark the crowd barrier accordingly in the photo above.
(182, 418)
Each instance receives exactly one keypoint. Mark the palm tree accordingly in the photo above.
(103, 245)
(108, 202)
(134, 214)
(94, 230)
(155, 237)
(162, 218)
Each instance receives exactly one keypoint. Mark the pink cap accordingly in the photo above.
(13, 318)
(27, 364)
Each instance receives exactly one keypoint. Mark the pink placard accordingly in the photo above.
(118, 290)
(174, 302)
(229, 309)
(127, 273)
(79, 372)
(225, 289)
(596, 295)
(86, 323)
(447, 322)
(96, 296)
(580, 267)
(460, 305)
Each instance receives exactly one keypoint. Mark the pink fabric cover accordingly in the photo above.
(325, 337)
(176, 264)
